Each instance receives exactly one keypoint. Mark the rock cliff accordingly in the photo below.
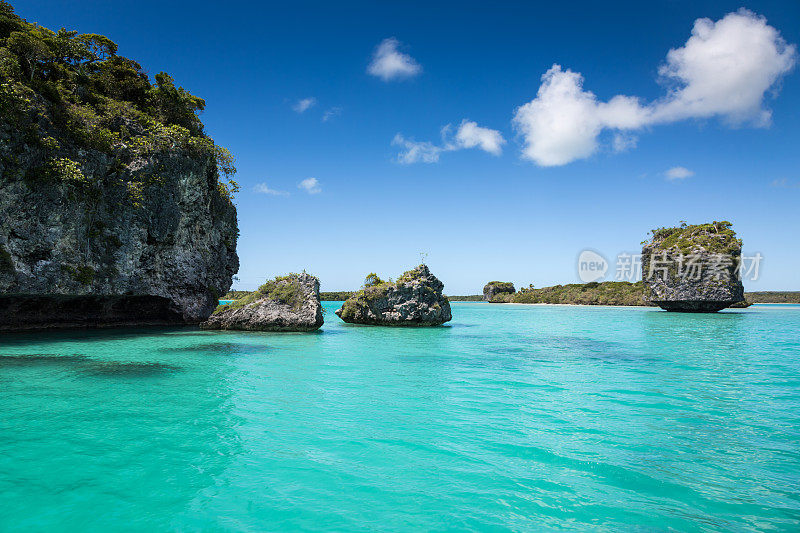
(415, 299)
(496, 288)
(287, 303)
(693, 268)
(114, 204)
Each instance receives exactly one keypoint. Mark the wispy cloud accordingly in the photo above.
(468, 135)
(388, 63)
(623, 142)
(263, 188)
(783, 183)
(415, 152)
(678, 173)
(725, 69)
(303, 105)
(331, 113)
(310, 185)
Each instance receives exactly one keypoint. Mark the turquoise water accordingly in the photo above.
(515, 417)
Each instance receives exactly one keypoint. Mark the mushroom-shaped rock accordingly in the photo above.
(495, 288)
(693, 268)
(286, 303)
(415, 299)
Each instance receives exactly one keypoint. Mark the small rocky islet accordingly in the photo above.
(693, 268)
(415, 299)
(285, 303)
(494, 289)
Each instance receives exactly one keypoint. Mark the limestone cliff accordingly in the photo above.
(114, 207)
(693, 268)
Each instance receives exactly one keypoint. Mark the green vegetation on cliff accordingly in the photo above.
(331, 296)
(373, 280)
(716, 237)
(235, 295)
(281, 289)
(68, 98)
(501, 285)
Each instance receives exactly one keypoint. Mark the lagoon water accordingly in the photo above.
(511, 417)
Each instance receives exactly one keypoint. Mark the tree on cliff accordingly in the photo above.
(372, 280)
(77, 84)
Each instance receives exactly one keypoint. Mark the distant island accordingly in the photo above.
(336, 296)
(773, 297)
(595, 293)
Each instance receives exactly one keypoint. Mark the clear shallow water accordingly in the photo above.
(513, 417)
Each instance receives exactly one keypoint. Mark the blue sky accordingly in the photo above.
(526, 205)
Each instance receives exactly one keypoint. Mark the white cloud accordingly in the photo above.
(563, 122)
(388, 63)
(725, 70)
(415, 152)
(310, 185)
(305, 104)
(263, 188)
(678, 173)
(468, 135)
(331, 113)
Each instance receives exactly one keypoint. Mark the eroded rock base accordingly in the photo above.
(693, 306)
(34, 312)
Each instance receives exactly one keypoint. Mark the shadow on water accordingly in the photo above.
(115, 424)
(396, 327)
(223, 332)
(561, 346)
(87, 365)
(220, 348)
(722, 328)
(128, 369)
(57, 336)
(41, 359)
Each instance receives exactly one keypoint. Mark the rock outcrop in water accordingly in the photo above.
(496, 288)
(415, 299)
(693, 268)
(287, 303)
(113, 204)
